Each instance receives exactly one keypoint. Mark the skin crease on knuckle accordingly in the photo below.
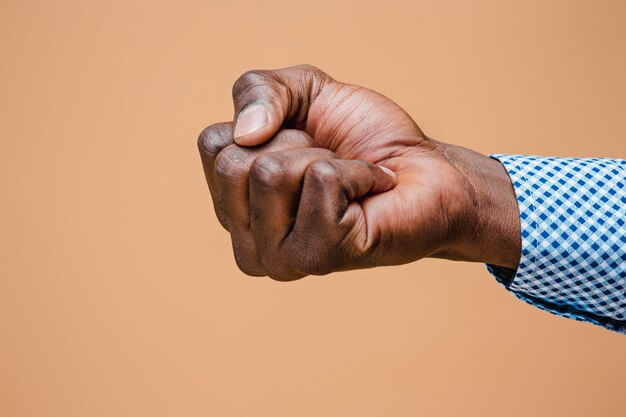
(324, 178)
(324, 173)
(268, 171)
(300, 85)
(318, 259)
(231, 164)
(247, 81)
(213, 139)
(278, 267)
(258, 87)
(281, 262)
(246, 261)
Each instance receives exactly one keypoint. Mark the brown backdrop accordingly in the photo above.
(119, 295)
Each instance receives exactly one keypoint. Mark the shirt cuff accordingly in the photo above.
(573, 260)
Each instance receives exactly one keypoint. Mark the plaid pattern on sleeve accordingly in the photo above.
(572, 214)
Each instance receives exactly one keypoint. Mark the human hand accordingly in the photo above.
(314, 200)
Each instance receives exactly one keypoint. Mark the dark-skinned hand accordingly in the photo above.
(316, 176)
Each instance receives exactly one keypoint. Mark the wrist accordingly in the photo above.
(488, 228)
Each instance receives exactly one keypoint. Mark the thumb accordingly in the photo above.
(256, 123)
(265, 100)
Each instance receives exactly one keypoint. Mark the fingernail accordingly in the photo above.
(250, 120)
(388, 171)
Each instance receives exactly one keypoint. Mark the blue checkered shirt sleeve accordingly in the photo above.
(572, 213)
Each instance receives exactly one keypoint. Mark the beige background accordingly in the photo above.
(119, 295)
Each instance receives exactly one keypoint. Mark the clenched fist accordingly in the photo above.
(316, 176)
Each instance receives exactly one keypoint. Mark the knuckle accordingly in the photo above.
(248, 268)
(315, 266)
(268, 171)
(285, 276)
(315, 77)
(323, 172)
(214, 138)
(246, 261)
(311, 258)
(275, 268)
(249, 80)
(310, 69)
(231, 163)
